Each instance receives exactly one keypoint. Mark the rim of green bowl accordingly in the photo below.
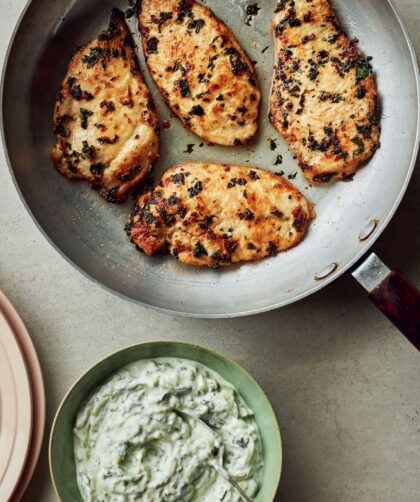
(213, 352)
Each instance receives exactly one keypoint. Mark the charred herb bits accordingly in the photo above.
(95, 55)
(84, 114)
(251, 11)
(99, 71)
(183, 87)
(199, 250)
(197, 110)
(195, 189)
(205, 223)
(152, 45)
(77, 92)
(214, 78)
(318, 64)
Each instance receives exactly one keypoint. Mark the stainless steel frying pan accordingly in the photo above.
(89, 232)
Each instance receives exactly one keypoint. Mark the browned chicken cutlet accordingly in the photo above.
(105, 122)
(206, 77)
(215, 215)
(324, 99)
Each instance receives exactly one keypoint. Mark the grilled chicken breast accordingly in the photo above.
(324, 99)
(215, 215)
(104, 119)
(204, 74)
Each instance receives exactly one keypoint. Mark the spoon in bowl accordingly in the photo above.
(217, 462)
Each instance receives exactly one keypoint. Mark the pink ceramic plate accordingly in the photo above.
(15, 411)
(38, 393)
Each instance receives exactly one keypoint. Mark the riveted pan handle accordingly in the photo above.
(393, 294)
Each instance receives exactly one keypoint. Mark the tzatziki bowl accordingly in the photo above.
(150, 422)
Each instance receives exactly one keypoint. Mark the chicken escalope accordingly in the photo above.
(206, 77)
(216, 215)
(324, 99)
(105, 121)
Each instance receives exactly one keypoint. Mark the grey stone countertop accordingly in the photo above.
(344, 383)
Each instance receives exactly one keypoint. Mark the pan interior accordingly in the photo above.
(90, 232)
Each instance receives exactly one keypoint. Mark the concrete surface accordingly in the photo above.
(344, 383)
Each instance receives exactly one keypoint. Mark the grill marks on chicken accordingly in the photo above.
(216, 215)
(206, 77)
(324, 99)
(105, 121)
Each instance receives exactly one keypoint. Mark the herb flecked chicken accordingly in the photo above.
(105, 121)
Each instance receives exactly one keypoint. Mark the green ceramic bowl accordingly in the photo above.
(62, 466)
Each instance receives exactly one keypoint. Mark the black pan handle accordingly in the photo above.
(393, 294)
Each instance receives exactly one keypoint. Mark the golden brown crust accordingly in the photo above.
(105, 122)
(216, 215)
(324, 99)
(204, 74)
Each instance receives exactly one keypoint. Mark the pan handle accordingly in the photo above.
(393, 294)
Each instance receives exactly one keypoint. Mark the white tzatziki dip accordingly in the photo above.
(130, 444)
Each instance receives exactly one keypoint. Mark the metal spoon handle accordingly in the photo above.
(217, 467)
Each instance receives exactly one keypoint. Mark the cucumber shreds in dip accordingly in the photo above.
(130, 444)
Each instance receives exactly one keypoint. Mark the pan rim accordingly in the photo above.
(217, 315)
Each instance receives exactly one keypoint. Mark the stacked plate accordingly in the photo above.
(22, 404)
